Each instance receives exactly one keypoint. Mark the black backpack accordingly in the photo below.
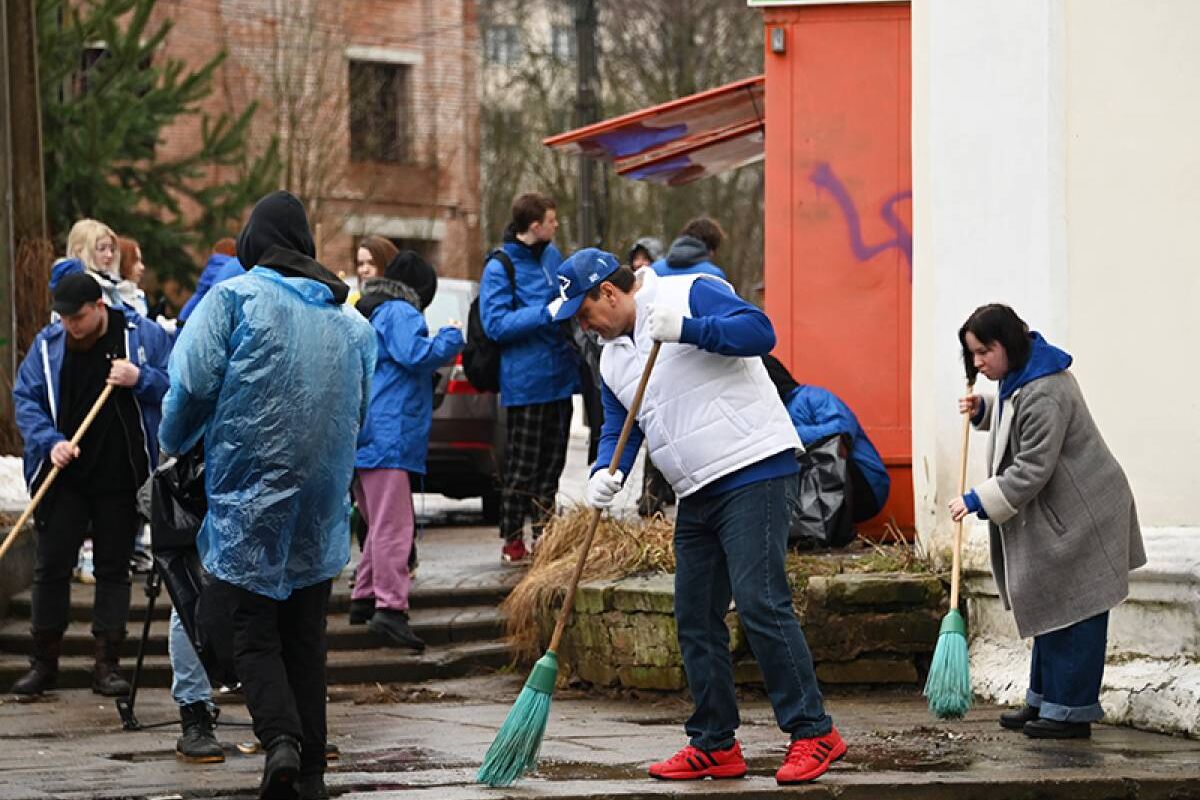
(481, 355)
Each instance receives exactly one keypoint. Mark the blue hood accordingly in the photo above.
(1044, 359)
(61, 269)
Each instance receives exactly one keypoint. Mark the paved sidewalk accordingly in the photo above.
(425, 743)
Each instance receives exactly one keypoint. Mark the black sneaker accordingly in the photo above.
(1015, 720)
(393, 625)
(1053, 729)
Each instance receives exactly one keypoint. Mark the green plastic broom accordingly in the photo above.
(515, 749)
(949, 684)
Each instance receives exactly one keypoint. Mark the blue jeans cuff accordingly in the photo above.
(813, 729)
(1033, 698)
(1092, 713)
(700, 743)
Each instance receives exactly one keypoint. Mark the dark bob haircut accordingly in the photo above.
(995, 323)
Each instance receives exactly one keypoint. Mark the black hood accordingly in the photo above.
(410, 269)
(277, 236)
(510, 235)
(377, 291)
(686, 251)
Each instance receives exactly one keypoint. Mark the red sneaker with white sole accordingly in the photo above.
(809, 759)
(692, 764)
(514, 553)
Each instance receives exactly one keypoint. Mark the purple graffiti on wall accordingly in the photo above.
(823, 177)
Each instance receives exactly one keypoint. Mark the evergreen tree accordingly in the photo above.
(107, 93)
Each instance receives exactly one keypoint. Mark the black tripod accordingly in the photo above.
(125, 705)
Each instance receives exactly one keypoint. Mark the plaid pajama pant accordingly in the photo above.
(534, 460)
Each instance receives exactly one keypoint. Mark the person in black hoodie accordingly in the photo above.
(274, 371)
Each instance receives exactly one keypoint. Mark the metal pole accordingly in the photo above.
(587, 111)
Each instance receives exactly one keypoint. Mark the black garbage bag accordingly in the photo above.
(821, 503)
(174, 502)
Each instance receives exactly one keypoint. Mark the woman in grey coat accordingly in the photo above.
(1061, 517)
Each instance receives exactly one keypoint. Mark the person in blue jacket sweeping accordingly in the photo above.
(273, 371)
(394, 439)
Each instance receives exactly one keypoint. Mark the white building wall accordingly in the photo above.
(1054, 169)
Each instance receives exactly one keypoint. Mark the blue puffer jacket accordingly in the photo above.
(209, 278)
(817, 413)
(395, 434)
(274, 373)
(536, 363)
(147, 346)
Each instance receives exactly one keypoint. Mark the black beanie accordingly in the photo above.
(410, 269)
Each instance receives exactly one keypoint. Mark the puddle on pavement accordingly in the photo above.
(397, 759)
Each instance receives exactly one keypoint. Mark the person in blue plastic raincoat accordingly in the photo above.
(273, 372)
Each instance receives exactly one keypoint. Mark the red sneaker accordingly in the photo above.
(514, 552)
(809, 759)
(692, 764)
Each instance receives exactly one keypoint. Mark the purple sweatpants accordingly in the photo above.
(384, 498)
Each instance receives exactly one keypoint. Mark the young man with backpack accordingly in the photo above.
(538, 370)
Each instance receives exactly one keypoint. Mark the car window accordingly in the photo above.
(451, 303)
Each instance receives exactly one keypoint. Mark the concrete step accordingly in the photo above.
(487, 590)
(444, 625)
(380, 664)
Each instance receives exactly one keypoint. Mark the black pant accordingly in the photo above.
(67, 517)
(279, 648)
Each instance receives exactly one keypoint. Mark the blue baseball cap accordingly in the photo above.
(579, 273)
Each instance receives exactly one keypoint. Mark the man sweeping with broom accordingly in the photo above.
(715, 427)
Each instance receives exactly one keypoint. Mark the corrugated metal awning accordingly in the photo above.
(680, 141)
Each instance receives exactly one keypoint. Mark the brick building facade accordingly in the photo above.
(375, 106)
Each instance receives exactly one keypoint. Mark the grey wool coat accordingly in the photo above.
(1062, 520)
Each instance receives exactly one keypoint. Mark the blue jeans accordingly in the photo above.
(189, 681)
(733, 546)
(1066, 670)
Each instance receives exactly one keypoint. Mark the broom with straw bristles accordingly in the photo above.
(515, 749)
(949, 684)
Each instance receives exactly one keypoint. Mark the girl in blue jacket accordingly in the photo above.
(394, 439)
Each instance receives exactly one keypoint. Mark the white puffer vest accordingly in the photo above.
(704, 415)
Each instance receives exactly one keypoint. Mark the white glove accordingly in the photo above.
(603, 487)
(664, 323)
(554, 305)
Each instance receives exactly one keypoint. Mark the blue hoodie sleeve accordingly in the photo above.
(152, 381)
(197, 371)
(502, 320)
(610, 434)
(407, 340)
(31, 403)
(724, 323)
(974, 505)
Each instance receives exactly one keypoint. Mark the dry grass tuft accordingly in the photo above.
(622, 547)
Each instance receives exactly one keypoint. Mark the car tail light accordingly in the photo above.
(458, 383)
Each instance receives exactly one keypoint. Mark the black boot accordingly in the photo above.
(106, 680)
(281, 770)
(394, 626)
(1015, 720)
(198, 745)
(312, 787)
(362, 610)
(43, 672)
(1053, 729)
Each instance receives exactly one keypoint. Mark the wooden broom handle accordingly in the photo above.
(626, 429)
(956, 565)
(41, 492)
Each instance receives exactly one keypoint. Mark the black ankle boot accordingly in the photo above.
(394, 626)
(1015, 720)
(1053, 729)
(362, 610)
(198, 745)
(281, 770)
(106, 680)
(43, 665)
